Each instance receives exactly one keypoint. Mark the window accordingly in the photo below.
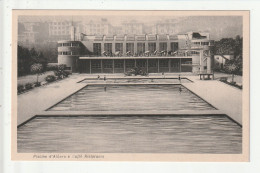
(97, 49)
(174, 46)
(119, 63)
(162, 46)
(119, 47)
(108, 47)
(204, 43)
(107, 63)
(141, 63)
(151, 47)
(130, 63)
(152, 63)
(163, 63)
(130, 47)
(140, 48)
(96, 64)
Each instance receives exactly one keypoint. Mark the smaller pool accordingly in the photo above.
(132, 98)
(136, 80)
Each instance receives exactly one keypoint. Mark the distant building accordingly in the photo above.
(31, 33)
(59, 30)
(133, 27)
(98, 27)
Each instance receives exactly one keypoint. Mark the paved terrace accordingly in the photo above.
(222, 96)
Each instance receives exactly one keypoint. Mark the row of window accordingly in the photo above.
(201, 43)
(59, 32)
(130, 47)
(142, 64)
(68, 44)
(67, 53)
(60, 27)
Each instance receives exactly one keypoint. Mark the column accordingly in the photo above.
(135, 47)
(102, 48)
(135, 62)
(208, 64)
(201, 61)
(113, 47)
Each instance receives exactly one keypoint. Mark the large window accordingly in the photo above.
(97, 49)
(152, 63)
(162, 46)
(130, 47)
(174, 46)
(141, 63)
(96, 64)
(119, 47)
(151, 47)
(164, 63)
(140, 48)
(108, 63)
(108, 47)
(130, 63)
(119, 63)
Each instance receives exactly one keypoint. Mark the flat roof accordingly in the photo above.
(143, 57)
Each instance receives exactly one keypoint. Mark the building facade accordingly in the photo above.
(190, 52)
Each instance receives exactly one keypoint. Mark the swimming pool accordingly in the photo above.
(132, 98)
(215, 134)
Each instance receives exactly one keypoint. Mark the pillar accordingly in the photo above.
(208, 64)
(201, 61)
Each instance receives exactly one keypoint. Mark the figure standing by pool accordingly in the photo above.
(179, 78)
(98, 77)
(105, 78)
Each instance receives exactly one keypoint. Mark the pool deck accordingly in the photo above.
(227, 99)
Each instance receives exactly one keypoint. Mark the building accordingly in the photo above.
(32, 33)
(98, 27)
(60, 30)
(190, 52)
(133, 27)
(221, 60)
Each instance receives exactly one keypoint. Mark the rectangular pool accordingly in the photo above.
(215, 134)
(132, 98)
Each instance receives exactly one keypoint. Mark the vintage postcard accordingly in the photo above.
(130, 85)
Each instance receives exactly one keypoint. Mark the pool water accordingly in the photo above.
(131, 134)
(132, 80)
(132, 98)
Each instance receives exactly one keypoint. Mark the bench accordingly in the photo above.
(208, 76)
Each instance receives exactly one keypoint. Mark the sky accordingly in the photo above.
(218, 26)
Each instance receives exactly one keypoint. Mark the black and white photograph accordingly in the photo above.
(131, 85)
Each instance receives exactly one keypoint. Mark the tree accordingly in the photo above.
(37, 69)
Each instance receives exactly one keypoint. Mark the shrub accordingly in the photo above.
(28, 86)
(37, 84)
(66, 73)
(20, 88)
(50, 78)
